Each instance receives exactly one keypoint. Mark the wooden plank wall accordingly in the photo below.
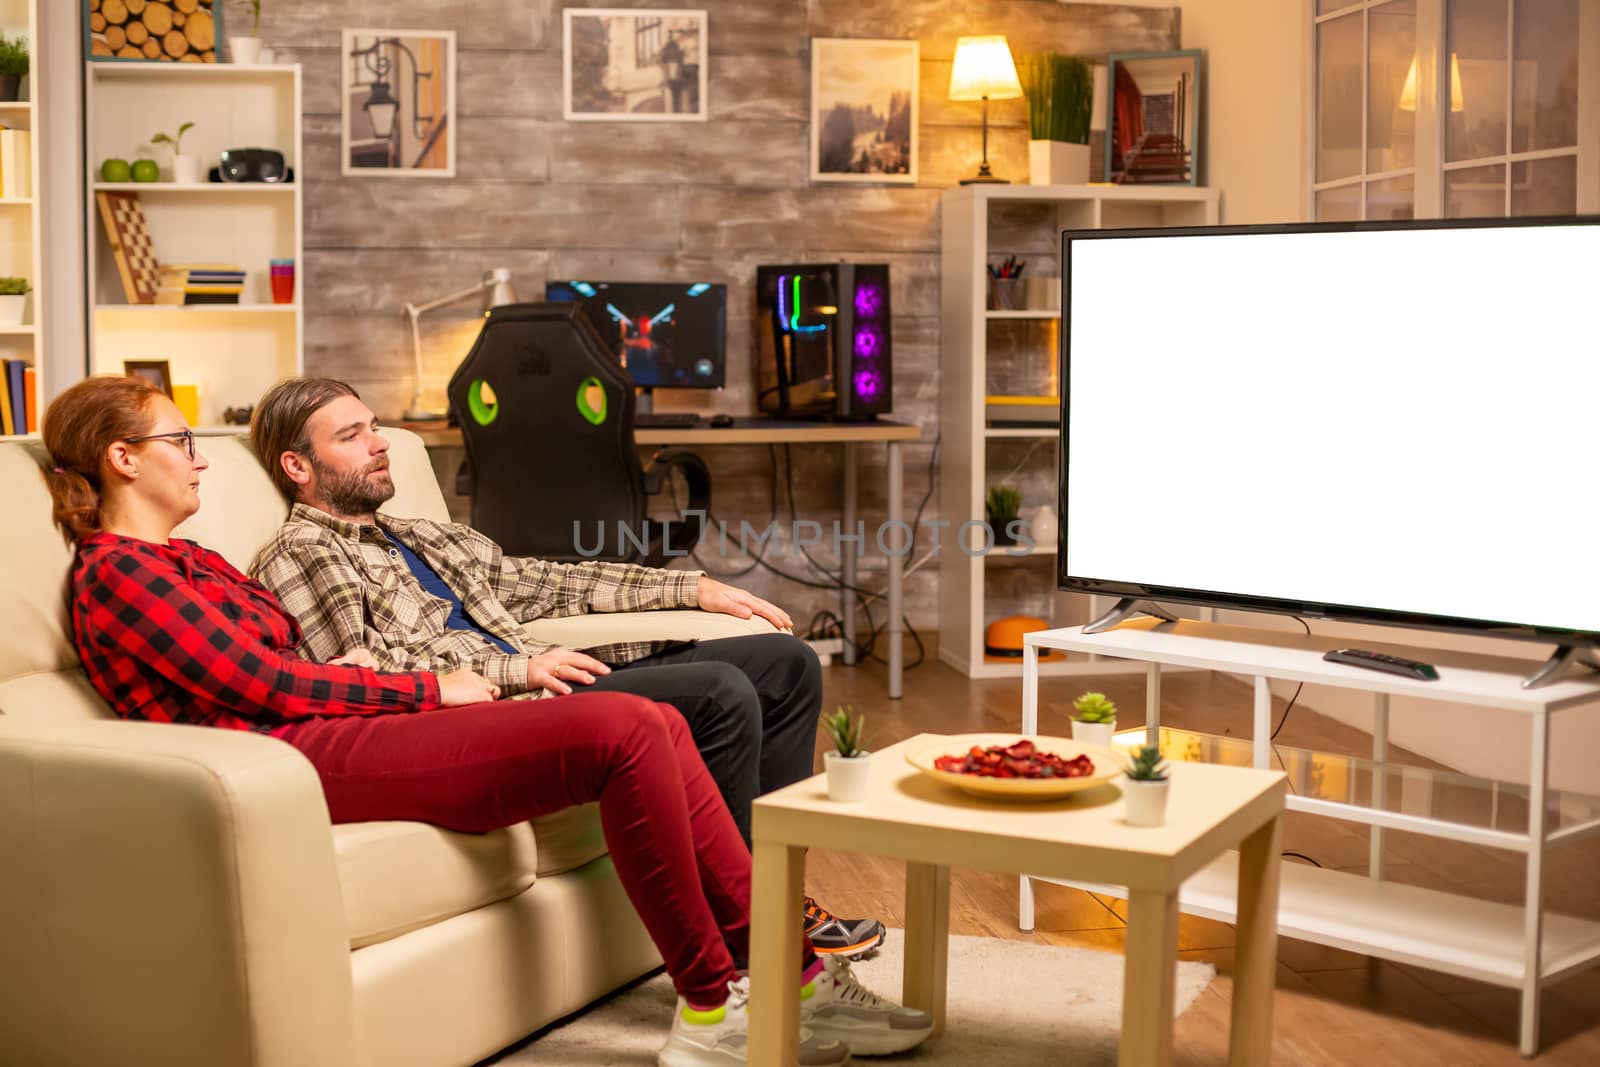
(551, 199)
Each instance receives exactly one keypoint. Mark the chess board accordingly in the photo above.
(130, 245)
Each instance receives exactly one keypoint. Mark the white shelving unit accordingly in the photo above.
(1521, 947)
(233, 353)
(21, 247)
(980, 226)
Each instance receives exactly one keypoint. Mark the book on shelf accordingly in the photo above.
(16, 169)
(30, 398)
(189, 297)
(18, 389)
(8, 425)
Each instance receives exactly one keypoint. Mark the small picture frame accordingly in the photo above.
(397, 104)
(633, 65)
(1153, 118)
(158, 372)
(864, 110)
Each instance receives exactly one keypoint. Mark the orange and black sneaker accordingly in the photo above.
(845, 938)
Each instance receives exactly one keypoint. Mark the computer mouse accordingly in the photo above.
(722, 422)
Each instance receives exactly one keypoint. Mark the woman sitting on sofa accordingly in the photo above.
(169, 631)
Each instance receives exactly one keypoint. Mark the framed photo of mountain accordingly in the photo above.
(864, 110)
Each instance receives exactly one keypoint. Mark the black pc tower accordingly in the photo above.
(823, 348)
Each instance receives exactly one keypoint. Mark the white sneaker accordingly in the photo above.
(839, 1007)
(721, 1037)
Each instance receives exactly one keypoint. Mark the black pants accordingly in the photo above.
(752, 704)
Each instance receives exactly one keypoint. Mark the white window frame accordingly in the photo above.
(1429, 170)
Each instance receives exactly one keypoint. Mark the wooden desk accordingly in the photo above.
(932, 827)
(774, 432)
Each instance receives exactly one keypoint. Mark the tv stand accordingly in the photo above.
(1560, 660)
(1518, 946)
(1125, 609)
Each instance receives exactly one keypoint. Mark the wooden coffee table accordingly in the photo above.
(931, 826)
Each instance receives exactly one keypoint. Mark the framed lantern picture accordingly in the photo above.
(633, 65)
(398, 103)
(1153, 123)
(864, 110)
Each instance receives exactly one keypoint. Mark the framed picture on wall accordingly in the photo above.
(1153, 118)
(633, 65)
(398, 103)
(864, 110)
(155, 371)
(189, 32)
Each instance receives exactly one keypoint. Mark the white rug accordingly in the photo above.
(1009, 1003)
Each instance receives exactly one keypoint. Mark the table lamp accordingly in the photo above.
(983, 70)
(496, 290)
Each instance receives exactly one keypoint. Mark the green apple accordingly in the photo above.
(146, 170)
(115, 170)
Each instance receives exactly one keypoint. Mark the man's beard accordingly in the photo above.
(355, 492)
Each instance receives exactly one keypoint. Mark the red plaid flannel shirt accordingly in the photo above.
(173, 633)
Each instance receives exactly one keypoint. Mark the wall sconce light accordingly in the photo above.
(382, 106)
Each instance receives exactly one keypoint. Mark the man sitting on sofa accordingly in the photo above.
(423, 596)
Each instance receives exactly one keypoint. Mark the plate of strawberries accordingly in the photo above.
(1015, 765)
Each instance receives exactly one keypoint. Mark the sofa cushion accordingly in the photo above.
(401, 876)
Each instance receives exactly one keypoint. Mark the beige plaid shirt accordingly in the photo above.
(350, 588)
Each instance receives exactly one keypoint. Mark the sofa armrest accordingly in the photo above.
(168, 895)
(605, 628)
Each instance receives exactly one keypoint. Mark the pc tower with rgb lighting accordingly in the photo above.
(822, 341)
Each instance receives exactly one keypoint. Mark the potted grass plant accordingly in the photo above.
(13, 66)
(1094, 719)
(244, 47)
(1000, 507)
(1144, 791)
(1060, 94)
(847, 765)
(13, 300)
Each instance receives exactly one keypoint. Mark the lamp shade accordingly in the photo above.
(984, 70)
(497, 284)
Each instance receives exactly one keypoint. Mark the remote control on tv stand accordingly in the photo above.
(1378, 661)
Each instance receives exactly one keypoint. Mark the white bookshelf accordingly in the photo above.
(21, 247)
(970, 240)
(231, 352)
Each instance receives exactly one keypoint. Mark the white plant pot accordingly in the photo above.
(187, 170)
(1094, 733)
(1145, 802)
(847, 776)
(11, 309)
(244, 50)
(1057, 163)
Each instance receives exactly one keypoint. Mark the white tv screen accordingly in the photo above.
(1391, 423)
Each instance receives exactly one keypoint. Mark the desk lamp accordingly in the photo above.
(983, 70)
(496, 290)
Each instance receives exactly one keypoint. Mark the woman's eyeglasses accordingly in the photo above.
(186, 436)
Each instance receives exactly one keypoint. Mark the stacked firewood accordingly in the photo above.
(181, 30)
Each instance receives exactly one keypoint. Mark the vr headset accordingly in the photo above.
(252, 165)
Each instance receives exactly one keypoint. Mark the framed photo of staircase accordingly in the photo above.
(1153, 124)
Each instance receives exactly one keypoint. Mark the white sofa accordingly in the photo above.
(176, 895)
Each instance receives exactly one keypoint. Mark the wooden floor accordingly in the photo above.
(1332, 1006)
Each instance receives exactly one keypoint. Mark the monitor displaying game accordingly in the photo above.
(666, 334)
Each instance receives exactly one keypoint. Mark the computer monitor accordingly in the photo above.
(667, 335)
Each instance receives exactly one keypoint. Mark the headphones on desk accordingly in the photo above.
(252, 165)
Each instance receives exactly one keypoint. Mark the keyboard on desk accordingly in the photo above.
(665, 420)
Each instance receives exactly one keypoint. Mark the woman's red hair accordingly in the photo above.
(79, 425)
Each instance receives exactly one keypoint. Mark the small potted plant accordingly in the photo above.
(13, 66)
(186, 170)
(1094, 719)
(245, 48)
(848, 765)
(1060, 97)
(1145, 790)
(13, 299)
(1000, 508)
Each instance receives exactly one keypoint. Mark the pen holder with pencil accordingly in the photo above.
(1007, 294)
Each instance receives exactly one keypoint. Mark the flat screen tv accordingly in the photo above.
(1388, 422)
(665, 334)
